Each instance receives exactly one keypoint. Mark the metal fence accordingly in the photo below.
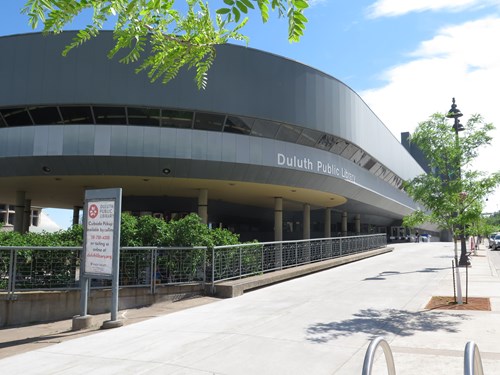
(58, 268)
(237, 261)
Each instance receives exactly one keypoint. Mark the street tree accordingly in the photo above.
(452, 194)
(163, 36)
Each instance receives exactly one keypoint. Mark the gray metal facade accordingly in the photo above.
(242, 82)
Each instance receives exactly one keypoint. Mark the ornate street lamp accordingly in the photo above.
(455, 114)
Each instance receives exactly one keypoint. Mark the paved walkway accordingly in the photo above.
(318, 324)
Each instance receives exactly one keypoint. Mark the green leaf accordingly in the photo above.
(301, 4)
(237, 14)
(241, 7)
(248, 3)
(223, 11)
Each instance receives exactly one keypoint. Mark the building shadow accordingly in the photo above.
(388, 321)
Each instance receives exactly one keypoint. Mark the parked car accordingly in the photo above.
(496, 242)
(491, 240)
(426, 237)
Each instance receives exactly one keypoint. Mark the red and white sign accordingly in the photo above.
(99, 236)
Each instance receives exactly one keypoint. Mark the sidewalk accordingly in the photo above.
(318, 324)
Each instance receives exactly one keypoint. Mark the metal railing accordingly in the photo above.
(27, 268)
(238, 261)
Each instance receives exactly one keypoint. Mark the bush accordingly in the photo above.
(143, 231)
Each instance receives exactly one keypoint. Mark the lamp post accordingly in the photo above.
(455, 114)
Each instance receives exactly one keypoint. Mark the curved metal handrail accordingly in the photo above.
(370, 354)
(473, 365)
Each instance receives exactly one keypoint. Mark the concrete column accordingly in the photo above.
(278, 219)
(357, 223)
(6, 215)
(19, 211)
(203, 205)
(307, 221)
(328, 222)
(344, 224)
(27, 215)
(76, 215)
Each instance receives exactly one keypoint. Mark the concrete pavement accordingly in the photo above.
(317, 324)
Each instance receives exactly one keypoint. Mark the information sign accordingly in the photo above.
(99, 237)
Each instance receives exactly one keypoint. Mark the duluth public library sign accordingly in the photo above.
(318, 166)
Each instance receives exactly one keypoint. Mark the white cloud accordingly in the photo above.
(461, 61)
(391, 8)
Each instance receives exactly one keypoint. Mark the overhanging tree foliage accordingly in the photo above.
(452, 195)
(169, 34)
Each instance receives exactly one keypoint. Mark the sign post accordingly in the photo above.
(101, 250)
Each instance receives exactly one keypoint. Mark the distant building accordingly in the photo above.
(414, 151)
(7, 217)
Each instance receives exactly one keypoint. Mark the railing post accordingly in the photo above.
(11, 273)
(213, 270)
(205, 267)
(296, 253)
(154, 264)
(240, 259)
(340, 246)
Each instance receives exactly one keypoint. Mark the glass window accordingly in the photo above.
(369, 164)
(349, 151)
(77, 115)
(239, 125)
(16, 116)
(208, 121)
(288, 133)
(266, 129)
(326, 142)
(45, 115)
(356, 157)
(309, 137)
(2, 122)
(110, 115)
(176, 119)
(339, 146)
(143, 116)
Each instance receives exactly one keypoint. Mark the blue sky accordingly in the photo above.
(405, 58)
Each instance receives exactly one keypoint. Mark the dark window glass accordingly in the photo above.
(176, 119)
(208, 121)
(369, 164)
(110, 115)
(326, 142)
(16, 116)
(238, 125)
(143, 116)
(45, 115)
(76, 115)
(266, 129)
(288, 133)
(309, 137)
(2, 122)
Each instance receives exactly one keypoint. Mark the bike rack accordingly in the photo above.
(370, 354)
(473, 365)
